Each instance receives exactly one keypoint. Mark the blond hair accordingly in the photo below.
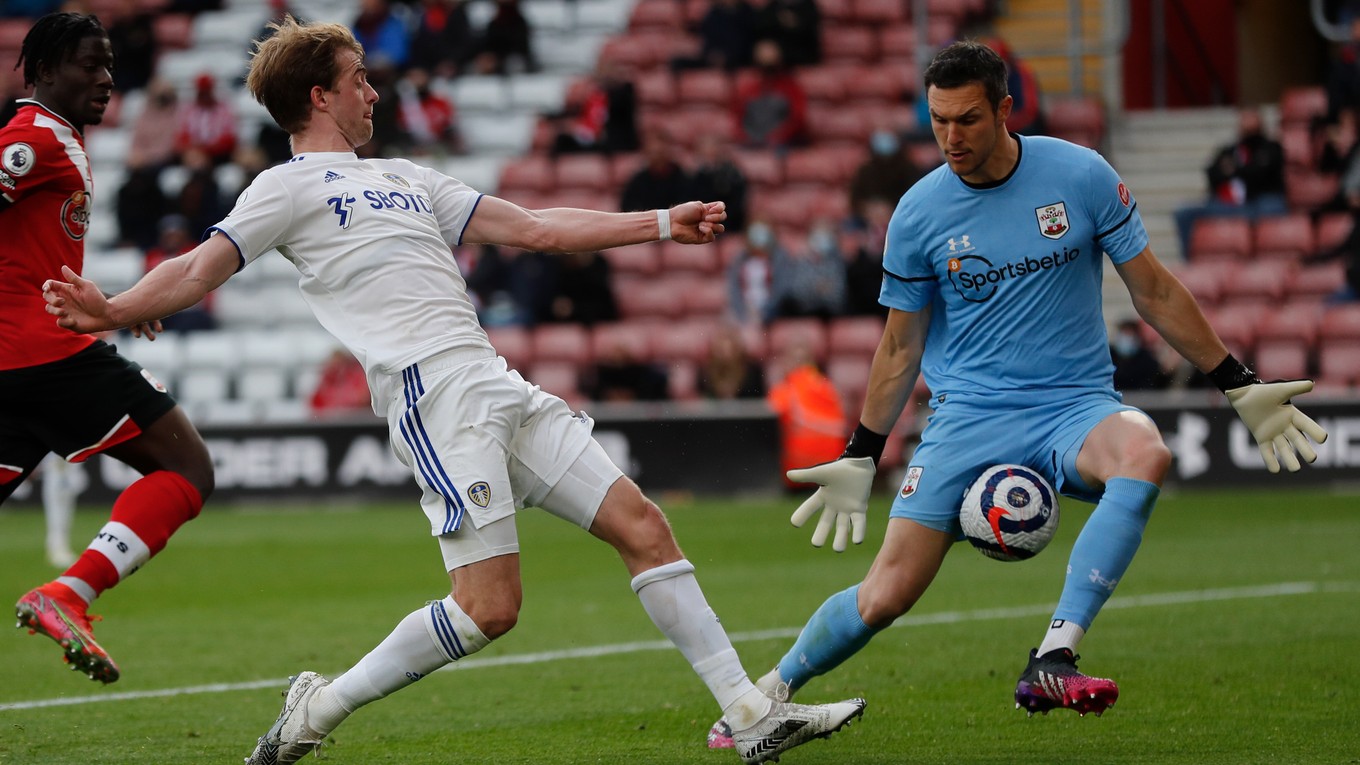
(285, 66)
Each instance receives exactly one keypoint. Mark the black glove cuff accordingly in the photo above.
(865, 443)
(1232, 374)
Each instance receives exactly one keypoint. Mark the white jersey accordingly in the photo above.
(371, 240)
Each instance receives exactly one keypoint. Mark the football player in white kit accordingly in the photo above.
(371, 241)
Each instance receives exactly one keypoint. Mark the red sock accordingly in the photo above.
(153, 507)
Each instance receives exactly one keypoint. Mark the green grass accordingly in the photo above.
(253, 595)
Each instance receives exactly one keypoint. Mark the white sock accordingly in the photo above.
(672, 598)
(124, 549)
(59, 506)
(424, 641)
(1062, 634)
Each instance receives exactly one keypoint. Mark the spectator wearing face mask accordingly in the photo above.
(885, 175)
(757, 276)
(815, 277)
(1135, 366)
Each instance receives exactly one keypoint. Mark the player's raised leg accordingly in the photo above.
(177, 477)
(1125, 454)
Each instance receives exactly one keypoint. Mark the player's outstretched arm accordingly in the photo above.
(845, 483)
(1266, 408)
(172, 286)
(570, 229)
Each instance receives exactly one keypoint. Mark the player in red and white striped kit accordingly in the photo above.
(71, 393)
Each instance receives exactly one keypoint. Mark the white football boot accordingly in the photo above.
(787, 725)
(290, 739)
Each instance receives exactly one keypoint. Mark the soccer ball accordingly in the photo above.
(1009, 513)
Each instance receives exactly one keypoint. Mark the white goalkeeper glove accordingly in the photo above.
(1275, 423)
(843, 499)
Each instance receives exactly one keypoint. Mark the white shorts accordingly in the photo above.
(481, 441)
(576, 498)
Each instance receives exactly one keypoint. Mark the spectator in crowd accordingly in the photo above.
(27, 9)
(815, 277)
(278, 10)
(8, 96)
(512, 287)
(662, 181)
(200, 199)
(771, 107)
(795, 26)
(444, 42)
(601, 117)
(252, 160)
(342, 387)
(207, 124)
(139, 205)
(756, 278)
(1135, 365)
(428, 119)
(729, 372)
(1027, 116)
(618, 376)
(1349, 249)
(812, 422)
(507, 41)
(1343, 79)
(382, 34)
(861, 244)
(154, 131)
(885, 174)
(176, 239)
(1246, 179)
(716, 176)
(727, 33)
(133, 36)
(387, 137)
(582, 293)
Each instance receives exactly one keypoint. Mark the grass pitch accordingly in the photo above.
(1234, 639)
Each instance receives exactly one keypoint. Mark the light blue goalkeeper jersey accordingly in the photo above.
(1013, 273)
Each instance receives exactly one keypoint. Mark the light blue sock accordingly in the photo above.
(833, 634)
(1105, 548)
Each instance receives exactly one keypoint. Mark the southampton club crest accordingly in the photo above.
(1052, 220)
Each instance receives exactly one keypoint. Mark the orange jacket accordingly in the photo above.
(811, 419)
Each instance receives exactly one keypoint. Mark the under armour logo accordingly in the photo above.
(960, 244)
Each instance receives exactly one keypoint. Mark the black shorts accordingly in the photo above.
(75, 407)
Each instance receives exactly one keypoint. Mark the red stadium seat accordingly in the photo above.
(1300, 104)
(706, 298)
(823, 84)
(1332, 230)
(836, 11)
(1291, 233)
(761, 167)
(1080, 120)
(1205, 281)
(879, 12)
(677, 258)
(1266, 280)
(854, 44)
(173, 31)
(855, 335)
(897, 41)
(584, 171)
(1293, 322)
(685, 340)
(1339, 362)
(1298, 146)
(655, 89)
(651, 299)
(1319, 281)
(785, 334)
(821, 166)
(1341, 322)
(1309, 191)
(1220, 235)
(839, 125)
(622, 167)
(515, 344)
(642, 259)
(633, 336)
(850, 375)
(635, 51)
(883, 84)
(657, 15)
(1236, 326)
(560, 342)
(1281, 360)
(682, 381)
(532, 173)
(560, 378)
(698, 87)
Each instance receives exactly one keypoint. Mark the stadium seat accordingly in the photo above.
(677, 258)
(637, 52)
(514, 344)
(1339, 362)
(1222, 235)
(266, 348)
(1319, 281)
(1266, 280)
(850, 374)
(634, 336)
(1341, 322)
(163, 357)
(836, 11)
(1236, 326)
(1298, 146)
(682, 381)
(659, 15)
(560, 342)
(712, 87)
(532, 173)
(818, 167)
(785, 334)
(1309, 191)
(849, 44)
(760, 166)
(655, 89)
(623, 166)
(1281, 360)
(1295, 323)
(855, 335)
(897, 42)
(879, 13)
(823, 84)
(202, 385)
(1290, 234)
(173, 31)
(838, 125)
(560, 378)
(642, 259)
(651, 298)
(590, 172)
(1300, 104)
(706, 297)
(1074, 118)
(1332, 230)
(690, 122)
(926, 155)
(261, 384)
(682, 341)
(212, 349)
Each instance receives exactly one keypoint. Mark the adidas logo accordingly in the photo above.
(331, 175)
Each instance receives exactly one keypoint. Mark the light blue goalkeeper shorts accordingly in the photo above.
(962, 439)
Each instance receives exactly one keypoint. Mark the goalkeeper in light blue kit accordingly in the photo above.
(993, 270)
